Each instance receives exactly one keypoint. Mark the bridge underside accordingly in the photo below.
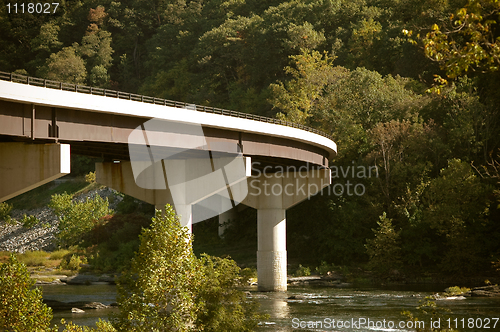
(106, 135)
(38, 132)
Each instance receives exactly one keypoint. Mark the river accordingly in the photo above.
(363, 308)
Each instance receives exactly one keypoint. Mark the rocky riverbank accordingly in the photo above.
(14, 237)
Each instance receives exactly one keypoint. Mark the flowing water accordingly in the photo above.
(322, 309)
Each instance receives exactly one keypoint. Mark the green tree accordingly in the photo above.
(297, 97)
(65, 66)
(21, 306)
(468, 40)
(77, 218)
(385, 249)
(457, 207)
(168, 289)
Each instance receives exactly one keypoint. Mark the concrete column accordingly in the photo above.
(271, 254)
(26, 166)
(272, 194)
(224, 218)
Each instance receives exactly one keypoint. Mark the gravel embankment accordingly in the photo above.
(16, 238)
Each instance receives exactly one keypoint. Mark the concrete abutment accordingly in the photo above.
(26, 166)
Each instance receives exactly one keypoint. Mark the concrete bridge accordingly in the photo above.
(202, 160)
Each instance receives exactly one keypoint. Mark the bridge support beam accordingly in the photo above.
(178, 182)
(272, 194)
(26, 166)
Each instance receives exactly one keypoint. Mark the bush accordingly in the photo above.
(102, 326)
(302, 271)
(324, 268)
(5, 210)
(73, 263)
(455, 290)
(168, 289)
(77, 218)
(90, 177)
(21, 306)
(29, 221)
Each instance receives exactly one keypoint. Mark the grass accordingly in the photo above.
(34, 258)
(59, 254)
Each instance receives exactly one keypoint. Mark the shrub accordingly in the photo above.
(29, 221)
(90, 177)
(324, 268)
(102, 326)
(302, 271)
(73, 263)
(21, 307)
(77, 218)
(5, 210)
(455, 290)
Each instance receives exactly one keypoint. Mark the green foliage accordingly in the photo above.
(29, 221)
(102, 326)
(385, 249)
(295, 99)
(168, 288)
(428, 310)
(324, 268)
(456, 290)
(77, 218)
(469, 39)
(72, 262)
(457, 205)
(302, 271)
(21, 307)
(65, 66)
(157, 291)
(5, 209)
(90, 177)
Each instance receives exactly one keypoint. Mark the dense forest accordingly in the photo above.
(409, 86)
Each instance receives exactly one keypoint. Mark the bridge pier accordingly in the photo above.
(27, 166)
(272, 194)
(181, 183)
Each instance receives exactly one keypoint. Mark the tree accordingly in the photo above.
(468, 41)
(77, 218)
(65, 66)
(384, 250)
(21, 306)
(297, 97)
(168, 289)
(456, 208)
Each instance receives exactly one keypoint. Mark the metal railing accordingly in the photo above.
(17, 78)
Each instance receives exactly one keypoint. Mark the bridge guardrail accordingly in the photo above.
(18, 78)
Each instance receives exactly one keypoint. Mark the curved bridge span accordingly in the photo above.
(202, 160)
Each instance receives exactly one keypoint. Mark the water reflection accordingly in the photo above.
(305, 304)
